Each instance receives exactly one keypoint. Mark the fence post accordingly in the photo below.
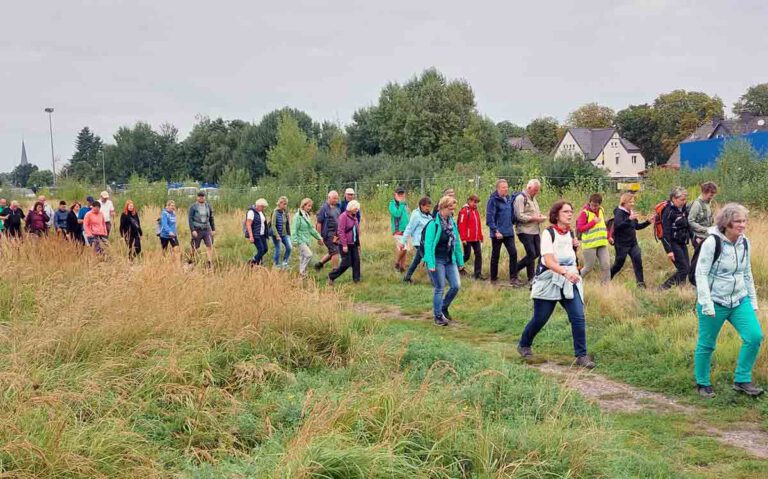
(356, 192)
(421, 185)
(477, 182)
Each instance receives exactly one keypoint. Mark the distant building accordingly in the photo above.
(521, 143)
(751, 128)
(23, 154)
(605, 149)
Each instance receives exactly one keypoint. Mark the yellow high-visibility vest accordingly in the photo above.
(598, 235)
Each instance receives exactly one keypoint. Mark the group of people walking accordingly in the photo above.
(444, 237)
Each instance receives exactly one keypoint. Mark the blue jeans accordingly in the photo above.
(542, 311)
(286, 241)
(415, 263)
(261, 248)
(444, 270)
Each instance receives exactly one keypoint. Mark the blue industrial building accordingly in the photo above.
(704, 153)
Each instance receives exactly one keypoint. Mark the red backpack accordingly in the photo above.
(658, 231)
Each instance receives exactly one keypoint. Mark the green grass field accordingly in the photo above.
(155, 369)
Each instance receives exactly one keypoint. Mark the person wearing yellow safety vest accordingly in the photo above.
(594, 237)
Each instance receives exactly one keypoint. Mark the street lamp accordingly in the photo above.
(49, 110)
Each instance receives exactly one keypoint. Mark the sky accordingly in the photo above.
(106, 64)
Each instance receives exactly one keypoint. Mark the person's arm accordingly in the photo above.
(320, 220)
(295, 228)
(394, 208)
(582, 226)
(458, 250)
(272, 221)
(643, 225)
(410, 227)
(429, 244)
(87, 226)
(123, 224)
(666, 228)
(522, 216)
(490, 217)
(693, 215)
(749, 281)
(703, 267)
(462, 223)
(344, 239)
(190, 216)
(165, 228)
(210, 217)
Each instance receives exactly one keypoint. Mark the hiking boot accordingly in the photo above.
(748, 388)
(447, 316)
(525, 352)
(585, 362)
(480, 277)
(318, 266)
(463, 272)
(705, 391)
(407, 280)
(330, 282)
(516, 283)
(441, 321)
(641, 286)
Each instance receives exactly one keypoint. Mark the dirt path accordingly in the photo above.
(613, 396)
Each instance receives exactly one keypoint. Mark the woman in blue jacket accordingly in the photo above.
(443, 256)
(419, 219)
(726, 292)
(168, 234)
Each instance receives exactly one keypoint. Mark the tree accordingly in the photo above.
(39, 179)
(754, 101)
(544, 133)
(291, 160)
(507, 129)
(637, 123)
(680, 112)
(85, 164)
(137, 151)
(363, 134)
(592, 115)
(20, 175)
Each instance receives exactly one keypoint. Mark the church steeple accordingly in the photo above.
(23, 154)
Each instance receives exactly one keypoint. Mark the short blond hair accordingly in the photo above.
(446, 201)
(625, 197)
(261, 202)
(305, 202)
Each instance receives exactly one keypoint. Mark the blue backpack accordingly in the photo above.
(514, 213)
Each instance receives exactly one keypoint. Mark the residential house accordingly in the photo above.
(719, 128)
(605, 149)
(521, 143)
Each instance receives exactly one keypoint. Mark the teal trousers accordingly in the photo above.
(744, 320)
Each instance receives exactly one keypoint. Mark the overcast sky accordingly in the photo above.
(107, 63)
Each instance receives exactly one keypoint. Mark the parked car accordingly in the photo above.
(211, 192)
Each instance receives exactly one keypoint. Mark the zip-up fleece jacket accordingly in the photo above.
(432, 237)
(470, 228)
(415, 226)
(398, 216)
(624, 229)
(302, 229)
(728, 280)
(700, 218)
(674, 225)
(525, 209)
(498, 215)
(346, 225)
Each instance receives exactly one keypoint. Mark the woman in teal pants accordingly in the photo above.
(726, 292)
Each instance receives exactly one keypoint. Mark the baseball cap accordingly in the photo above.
(349, 191)
(201, 193)
(400, 190)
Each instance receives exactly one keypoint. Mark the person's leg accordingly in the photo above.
(208, 241)
(288, 249)
(109, 227)
(164, 244)
(685, 264)
(604, 256)
(417, 257)
(477, 246)
(276, 255)
(590, 255)
(356, 275)
(637, 264)
(454, 284)
(744, 320)
(346, 262)
(527, 241)
(681, 268)
(575, 309)
(137, 246)
(509, 245)
(438, 285)
(495, 253)
(305, 257)
(618, 262)
(467, 251)
(542, 310)
(709, 329)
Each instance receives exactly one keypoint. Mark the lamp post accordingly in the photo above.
(49, 110)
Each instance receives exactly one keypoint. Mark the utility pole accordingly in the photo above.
(103, 169)
(49, 110)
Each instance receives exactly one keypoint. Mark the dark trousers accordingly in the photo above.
(532, 245)
(260, 242)
(636, 257)
(509, 245)
(542, 311)
(477, 247)
(134, 245)
(682, 265)
(415, 263)
(349, 259)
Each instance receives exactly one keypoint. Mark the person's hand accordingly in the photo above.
(576, 243)
(431, 270)
(498, 235)
(213, 233)
(344, 249)
(335, 239)
(252, 240)
(320, 242)
(653, 218)
(171, 235)
(278, 239)
(671, 256)
(611, 240)
(572, 277)
(541, 218)
(194, 234)
(633, 215)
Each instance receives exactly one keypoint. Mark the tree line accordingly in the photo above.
(424, 126)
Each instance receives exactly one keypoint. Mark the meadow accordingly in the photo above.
(156, 368)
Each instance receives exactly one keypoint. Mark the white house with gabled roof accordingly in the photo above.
(605, 149)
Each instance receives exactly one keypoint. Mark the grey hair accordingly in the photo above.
(677, 192)
(500, 181)
(729, 213)
(534, 183)
(333, 193)
(282, 198)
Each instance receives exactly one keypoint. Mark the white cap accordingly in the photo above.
(104, 194)
(349, 191)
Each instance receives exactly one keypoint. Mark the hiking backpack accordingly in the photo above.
(718, 251)
(658, 230)
(424, 236)
(512, 201)
(609, 228)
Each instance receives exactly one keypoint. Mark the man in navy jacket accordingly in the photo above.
(499, 217)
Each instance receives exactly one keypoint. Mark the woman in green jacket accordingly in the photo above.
(303, 232)
(443, 256)
(726, 292)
